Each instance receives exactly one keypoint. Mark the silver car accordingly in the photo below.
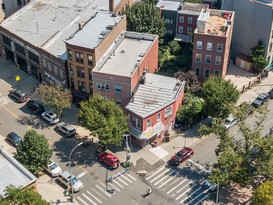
(66, 179)
(50, 117)
(66, 129)
(229, 122)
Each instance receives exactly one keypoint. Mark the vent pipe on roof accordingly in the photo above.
(80, 25)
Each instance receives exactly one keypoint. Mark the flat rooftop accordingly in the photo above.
(155, 94)
(46, 24)
(95, 30)
(171, 5)
(125, 58)
(12, 172)
(191, 8)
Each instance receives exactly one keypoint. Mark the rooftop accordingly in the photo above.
(95, 30)
(191, 8)
(214, 22)
(46, 24)
(172, 5)
(127, 53)
(12, 172)
(155, 94)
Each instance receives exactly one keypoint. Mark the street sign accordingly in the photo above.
(17, 78)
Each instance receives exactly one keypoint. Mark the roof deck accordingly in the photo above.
(190, 8)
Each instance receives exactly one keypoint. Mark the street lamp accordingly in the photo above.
(72, 192)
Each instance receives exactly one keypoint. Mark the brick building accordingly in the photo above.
(152, 109)
(212, 41)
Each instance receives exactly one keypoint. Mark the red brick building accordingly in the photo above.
(212, 40)
(152, 109)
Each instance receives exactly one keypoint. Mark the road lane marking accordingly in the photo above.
(191, 195)
(122, 181)
(114, 181)
(159, 175)
(165, 177)
(103, 190)
(126, 178)
(82, 200)
(115, 188)
(176, 186)
(203, 192)
(89, 199)
(155, 173)
(206, 196)
(168, 180)
(81, 174)
(199, 166)
(99, 193)
(185, 192)
(131, 177)
(94, 197)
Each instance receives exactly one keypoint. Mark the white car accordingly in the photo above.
(229, 122)
(53, 169)
(67, 179)
(50, 117)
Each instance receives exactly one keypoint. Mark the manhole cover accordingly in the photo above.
(92, 173)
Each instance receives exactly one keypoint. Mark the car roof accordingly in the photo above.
(66, 175)
(19, 92)
(230, 118)
(68, 126)
(109, 155)
(13, 134)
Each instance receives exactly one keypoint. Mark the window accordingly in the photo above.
(148, 123)
(72, 84)
(33, 57)
(189, 20)
(118, 88)
(180, 29)
(90, 59)
(79, 57)
(199, 44)
(20, 48)
(118, 101)
(102, 86)
(169, 32)
(80, 72)
(71, 70)
(131, 119)
(197, 71)
(158, 117)
(208, 59)
(69, 54)
(171, 21)
(217, 60)
(216, 72)
(209, 46)
(19, 2)
(206, 73)
(198, 57)
(90, 75)
(189, 29)
(168, 111)
(181, 19)
(219, 47)
(167, 21)
(137, 123)
(99, 85)
(82, 86)
(7, 40)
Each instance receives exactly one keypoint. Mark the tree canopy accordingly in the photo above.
(144, 17)
(191, 79)
(34, 151)
(103, 118)
(219, 95)
(56, 97)
(257, 56)
(263, 194)
(26, 196)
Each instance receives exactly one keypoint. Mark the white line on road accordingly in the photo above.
(172, 183)
(82, 200)
(114, 181)
(206, 196)
(185, 192)
(191, 195)
(89, 199)
(164, 177)
(129, 175)
(98, 193)
(103, 191)
(154, 173)
(126, 178)
(122, 181)
(176, 186)
(159, 175)
(203, 192)
(111, 184)
(199, 166)
(94, 197)
(81, 174)
(168, 180)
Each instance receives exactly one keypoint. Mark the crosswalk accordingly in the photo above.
(98, 194)
(4, 99)
(174, 184)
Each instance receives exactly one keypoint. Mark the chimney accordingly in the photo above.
(111, 5)
(80, 25)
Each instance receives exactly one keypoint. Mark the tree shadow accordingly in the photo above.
(33, 121)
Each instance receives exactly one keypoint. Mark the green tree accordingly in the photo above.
(191, 79)
(219, 95)
(26, 196)
(174, 47)
(34, 151)
(263, 194)
(145, 18)
(56, 97)
(164, 56)
(257, 56)
(103, 118)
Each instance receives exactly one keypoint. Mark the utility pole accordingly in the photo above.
(217, 194)
(127, 148)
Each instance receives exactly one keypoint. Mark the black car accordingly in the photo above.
(35, 107)
(14, 139)
(270, 93)
(260, 100)
(18, 96)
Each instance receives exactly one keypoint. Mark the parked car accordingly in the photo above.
(50, 117)
(53, 169)
(35, 107)
(18, 96)
(66, 179)
(209, 186)
(247, 107)
(260, 100)
(109, 159)
(270, 93)
(66, 129)
(14, 139)
(229, 122)
(181, 156)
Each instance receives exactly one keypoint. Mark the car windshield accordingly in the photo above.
(227, 121)
(74, 180)
(54, 117)
(180, 154)
(53, 166)
(16, 138)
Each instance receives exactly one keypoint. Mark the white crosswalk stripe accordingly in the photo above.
(155, 173)
(176, 186)
(191, 194)
(126, 178)
(115, 181)
(205, 191)
(112, 185)
(89, 199)
(202, 199)
(103, 191)
(129, 175)
(94, 197)
(4, 100)
(119, 178)
(168, 180)
(164, 177)
(82, 200)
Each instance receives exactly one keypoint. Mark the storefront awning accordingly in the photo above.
(149, 132)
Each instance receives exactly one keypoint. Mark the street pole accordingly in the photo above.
(72, 191)
(127, 148)
(217, 194)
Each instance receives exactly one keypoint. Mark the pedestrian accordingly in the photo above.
(149, 190)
